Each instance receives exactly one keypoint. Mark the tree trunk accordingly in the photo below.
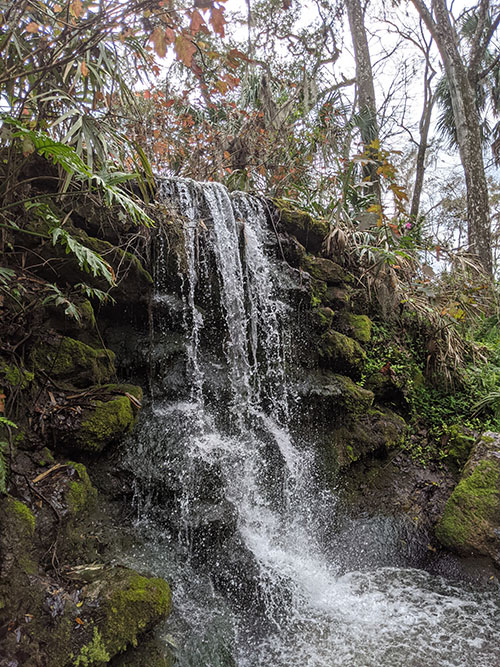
(365, 88)
(461, 81)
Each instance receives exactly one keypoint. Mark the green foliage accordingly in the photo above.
(88, 260)
(400, 354)
(67, 158)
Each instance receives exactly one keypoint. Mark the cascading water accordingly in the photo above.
(229, 505)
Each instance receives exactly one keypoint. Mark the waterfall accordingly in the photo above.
(228, 502)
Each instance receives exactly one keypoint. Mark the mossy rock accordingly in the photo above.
(108, 420)
(129, 604)
(358, 327)
(341, 353)
(323, 318)
(388, 388)
(458, 446)
(377, 430)
(81, 496)
(134, 283)
(71, 361)
(84, 328)
(324, 269)
(18, 562)
(150, 652)
(337, 298)
(310, 232)
(328, 394)
(470, 523)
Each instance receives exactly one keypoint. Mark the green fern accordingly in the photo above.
(68, 159)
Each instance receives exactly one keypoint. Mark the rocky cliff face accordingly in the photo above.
(67, 393)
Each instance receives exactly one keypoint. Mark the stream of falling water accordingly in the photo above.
(229, 506)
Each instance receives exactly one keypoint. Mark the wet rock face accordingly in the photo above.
(470, 523)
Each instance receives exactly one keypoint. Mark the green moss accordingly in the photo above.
(360, 327)
(93, 653)
(120, 257)
(339, 394)
(15, 376)
(336, 297)
(87, 314)
(134, 603)
(81, 496)
(108, 421)
(46, 457)
(318, 291)
(374, 430)
(324, 318)
(74, 361)
(18, 524)
(24, 517)
(473, 505)
(311, 232)
(459, 444)
(342, 353)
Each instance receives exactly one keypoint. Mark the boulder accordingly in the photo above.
(470, 523)
(324, 269)
(358, 327)
(378, 430)
(309, 231)
(72, 362)
(341, 353)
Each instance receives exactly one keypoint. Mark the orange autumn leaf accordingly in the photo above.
(79, 621)
(85, 69)
(32, 27)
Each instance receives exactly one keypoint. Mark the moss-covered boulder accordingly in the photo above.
(358, 327)
(470, 523)
(388, 388)
(310, 232)
(457, 444)
(150, 652)
(326, 396)
(323, 318)
(324, 269)
(73, 362)
(134, 283)
(129, 604)
(341, 353)
(107, 420)
(337, 298)
(377, 430)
